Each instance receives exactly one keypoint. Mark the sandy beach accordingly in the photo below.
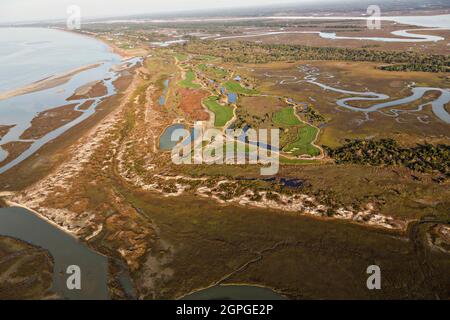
(47, 83)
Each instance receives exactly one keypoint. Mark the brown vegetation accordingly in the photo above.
(25, 271)
(191, 104)
(49, 120)
(90, 90)
(4, 130)
(14, 149)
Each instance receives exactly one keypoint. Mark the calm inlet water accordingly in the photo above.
(65, 250)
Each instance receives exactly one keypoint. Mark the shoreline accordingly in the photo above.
(112, 47)
(59, 80)
(47, 83)
(62, 78)
(12, 204)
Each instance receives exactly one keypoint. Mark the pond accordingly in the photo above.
(162, 99)
(232, 97)
(165, 141)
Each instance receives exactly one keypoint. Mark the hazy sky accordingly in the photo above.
(18, 10)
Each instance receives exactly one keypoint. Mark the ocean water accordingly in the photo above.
(437, 21)
(28, 55)
(31, 54)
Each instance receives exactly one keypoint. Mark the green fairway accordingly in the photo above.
(303, 145)
(286, 118)
(223, 113)
(236, 87)
(188, 81)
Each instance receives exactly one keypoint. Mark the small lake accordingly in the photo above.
(232, 97)
(162, 99)
(165, 141)
(22, 224)
(235, 292)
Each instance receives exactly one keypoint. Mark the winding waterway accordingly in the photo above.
(435, 22)
(407, 35)
(429, 21)
(437, 105)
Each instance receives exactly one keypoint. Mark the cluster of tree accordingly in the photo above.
(249, 52)
(423, 158)
(313, 117)
(244, 118)
(418, 67)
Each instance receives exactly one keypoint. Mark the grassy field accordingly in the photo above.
(188, 81)
(186, 242)
(221, 231)
(205, 57)
(286, 118)
(298, 140)
(223, 113)
(236, 87)
(25, 272)
(358, 76)
(181, 56)
(303, 144)
(213, 71)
